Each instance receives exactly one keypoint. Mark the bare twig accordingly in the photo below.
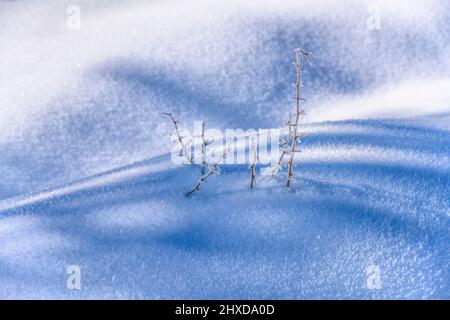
(180, 137)
(252, 165)
(295, 136)
(204, 145)
(284, 145)
(280, 162)
(212, 170)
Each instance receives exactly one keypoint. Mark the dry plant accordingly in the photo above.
(290, 144)
(253, 164)
(205, 144)
(284, 146)
(180, 137)
(212, 168)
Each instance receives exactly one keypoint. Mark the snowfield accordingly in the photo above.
(135, 235)
(87, 178)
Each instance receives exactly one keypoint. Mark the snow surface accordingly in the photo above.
(87, 178)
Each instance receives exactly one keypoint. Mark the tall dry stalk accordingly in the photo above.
(290, 144)
(296, 136)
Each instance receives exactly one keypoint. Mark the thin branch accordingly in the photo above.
(180, 137)
(307, 54)
(252, 165)
(203, 179)
(204, 145)
(280, 160)
(299, 113)
(284, 145)
(212, 170)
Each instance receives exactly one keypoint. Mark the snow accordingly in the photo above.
(87, 177)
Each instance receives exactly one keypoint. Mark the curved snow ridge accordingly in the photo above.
(352, 142)
(311, 154)
(97, 181)
(411, 143)
(376, 155)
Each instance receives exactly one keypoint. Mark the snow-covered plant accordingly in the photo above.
(290, 145)
(253, 162)
(205, 144)
(207, 169)
(181, 138)
(293, 139)
(213, 169)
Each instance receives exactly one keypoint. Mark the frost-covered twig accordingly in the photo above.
(204, 151)
(299, 113)
(212, 170)
(297, 118)
(284, 146)
(289, 145)
(252, 164)
(180, 137)
(204, 146)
